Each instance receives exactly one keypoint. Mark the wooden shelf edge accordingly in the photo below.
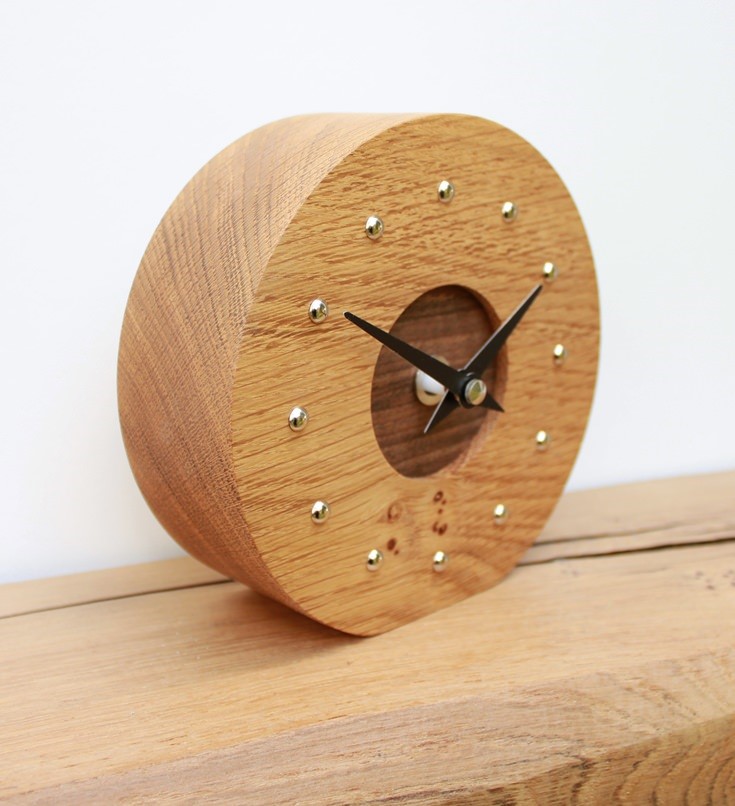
(34, 596)
(472, 748)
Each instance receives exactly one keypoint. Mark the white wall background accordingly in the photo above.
(106, 110)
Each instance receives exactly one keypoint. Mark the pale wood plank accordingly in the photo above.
(72, 589)
(537, 746)
(632, 517)
(683, 506)
(575, 676)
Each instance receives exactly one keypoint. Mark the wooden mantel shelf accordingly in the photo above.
(601, 670)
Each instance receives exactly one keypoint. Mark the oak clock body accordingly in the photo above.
(357, 361)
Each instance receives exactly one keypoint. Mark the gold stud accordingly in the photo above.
(445, 191)
(318, 311)
(543, 440)
(500, 513)
(509, 211)
(440, 561)
(560, 354)
(298, 418)
(319, 511)
(550, 272)
(374, 227)
(374, 560)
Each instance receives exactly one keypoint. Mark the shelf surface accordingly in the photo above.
(601, 670)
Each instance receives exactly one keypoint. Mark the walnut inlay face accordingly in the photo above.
(451, 322)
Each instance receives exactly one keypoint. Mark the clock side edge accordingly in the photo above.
(184, 322)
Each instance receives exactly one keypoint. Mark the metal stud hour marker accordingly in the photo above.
(543, 440)
(374, 560)
(440, 561)
(298, 418)
(374, 227)
(319, 511)
(445, 191)
(500, 513)
(560, 354)
(509, 211)
(550, 272)
(318, 311)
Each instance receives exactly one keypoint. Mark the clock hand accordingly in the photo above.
(442, 373)
(443, 409)
(486, 354)
(482, 360)
(467, 387)
(449, 403)
(463, 385)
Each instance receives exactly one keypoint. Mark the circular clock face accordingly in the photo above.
(411, 375)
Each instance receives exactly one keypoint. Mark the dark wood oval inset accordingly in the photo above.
(451, 322)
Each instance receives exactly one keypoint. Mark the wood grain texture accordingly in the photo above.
(217, 349)
(17, 598)
(595, 680)
(328, 369)
(586, 523)
(184, 323)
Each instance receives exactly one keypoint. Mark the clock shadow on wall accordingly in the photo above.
(450, 322)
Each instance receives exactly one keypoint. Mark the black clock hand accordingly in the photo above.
(486, 354)
(449, 403)
(443, 409)
(439, 371)
(482, 360)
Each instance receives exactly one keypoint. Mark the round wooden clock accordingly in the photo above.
(358, 359)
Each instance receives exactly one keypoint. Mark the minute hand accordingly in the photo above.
(440, 372)
(486, 354)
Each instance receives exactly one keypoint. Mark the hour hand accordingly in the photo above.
(439, 371)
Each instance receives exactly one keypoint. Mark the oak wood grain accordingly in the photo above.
(597, 680)
(68, 590)
(185, 319)
(217, 349)
(328, 369)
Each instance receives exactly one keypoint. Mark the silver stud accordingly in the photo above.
(318, 311)
(550, 272)
(543, 440)
(445, 191)
(500, 513)
(560, 354)
(440, 561)
(374, 560)
(319, 511)
(509, 211)
(474, 391)
(374, 227)
(298, 418)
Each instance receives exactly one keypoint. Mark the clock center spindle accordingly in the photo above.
(474, 392)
